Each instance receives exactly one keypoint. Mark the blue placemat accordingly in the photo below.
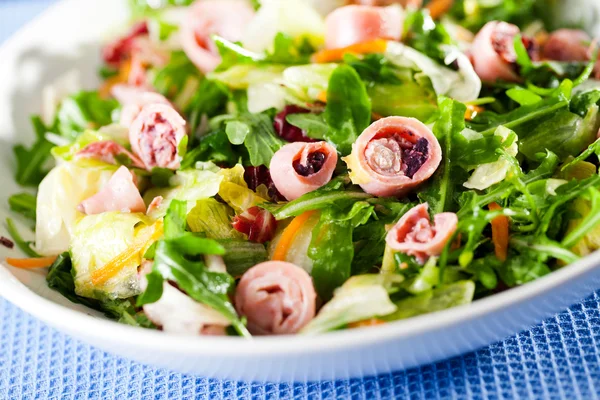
(557, 359)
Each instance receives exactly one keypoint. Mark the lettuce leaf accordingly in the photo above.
(212, 219)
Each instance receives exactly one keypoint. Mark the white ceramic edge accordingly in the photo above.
(90, 328)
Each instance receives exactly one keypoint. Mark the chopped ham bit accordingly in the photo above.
(120, 50)
(416, 236)
(226, 18)
(299, 168)
(154, 204)
(258, 224)
(119, 194)
(155, 135)
(354, 24)
(107, 151)
(393, 156)
(277, 297)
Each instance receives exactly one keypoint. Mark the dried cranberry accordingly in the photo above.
(256, 176)
(258, 224)
(287, 131)
(414, 158)
(119, 50)
(314, 163)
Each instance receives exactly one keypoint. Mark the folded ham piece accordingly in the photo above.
(299, 168)
(393, 155)
(354, 24)
(119, 194)
(277, 297)
(133, 99)
(155, 135)
(226, 18)
(493, 52)
(416, 236)
(570, 45)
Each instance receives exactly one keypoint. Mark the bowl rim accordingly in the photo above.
(86, 325)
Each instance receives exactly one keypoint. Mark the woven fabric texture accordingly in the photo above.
(558, 359)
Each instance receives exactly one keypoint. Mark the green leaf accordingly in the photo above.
(313, 124)
(19, 241)
(24, 204)
(213, 147)
(450, 124)
(208, 101)
(348, 110)
(160, 177)
(175, 220)
(444, 297)
(331, 250)
(589, 221)
(241, 255)
(31, 163)
(523, 96)
(82, 111)
(213, 219)
(422, 33)
(237, 132)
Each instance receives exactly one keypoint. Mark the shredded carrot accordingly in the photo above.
(472, 111)
(375, 116)
(288, 235)
(122, 77)
(322, 97)
(332, 55)
(131, 254)
(437, 8)
(499, 233)
(40, 262)
(366, 323)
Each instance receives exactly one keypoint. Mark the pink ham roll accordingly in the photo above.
(133, 99)
(354, 24)
(107, 151)
(277, 297)
(568, 45)
(155, 135)
(299, 168)
(226, 18)
(416, 236)
(394, 155)
(493, 53)
(119, 194)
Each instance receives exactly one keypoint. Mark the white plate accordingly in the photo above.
(67, 36)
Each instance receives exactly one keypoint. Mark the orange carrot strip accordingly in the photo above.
(499, 233)
(332, 55)
(322, 97)
(122, 77)
(40, 262)
(288, 235)
(366, 323)
(132, 253)
(437, 8)
(472, 111)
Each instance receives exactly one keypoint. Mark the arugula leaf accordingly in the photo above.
(520, 269)
(19, 241)
(287, 50)
(31, 163)
(60, 278)
(208, 101)
(241, 255)
(589, 221)
(82, 111)
(441, 189)
(348, 110)
(176, 259)
(214, 147)
(24, 204)
(171, 79)
(145, 8)
(313, 124)
(423, 34)
(474, 14)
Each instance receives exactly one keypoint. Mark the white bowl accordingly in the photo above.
(68, 35)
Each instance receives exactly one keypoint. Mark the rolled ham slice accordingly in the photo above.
(394, 155)
(299, 168)
(180, 314)
(107, 151)
(226, 18)
(276, 297)
(155, 135)
(133, 100)
(354, 24)
(415, 235)
(119, 194)
(570, 45)
(493, 54)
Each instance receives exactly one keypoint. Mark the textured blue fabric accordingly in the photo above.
(558, 359)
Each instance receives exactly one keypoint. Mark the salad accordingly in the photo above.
(298, 167)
